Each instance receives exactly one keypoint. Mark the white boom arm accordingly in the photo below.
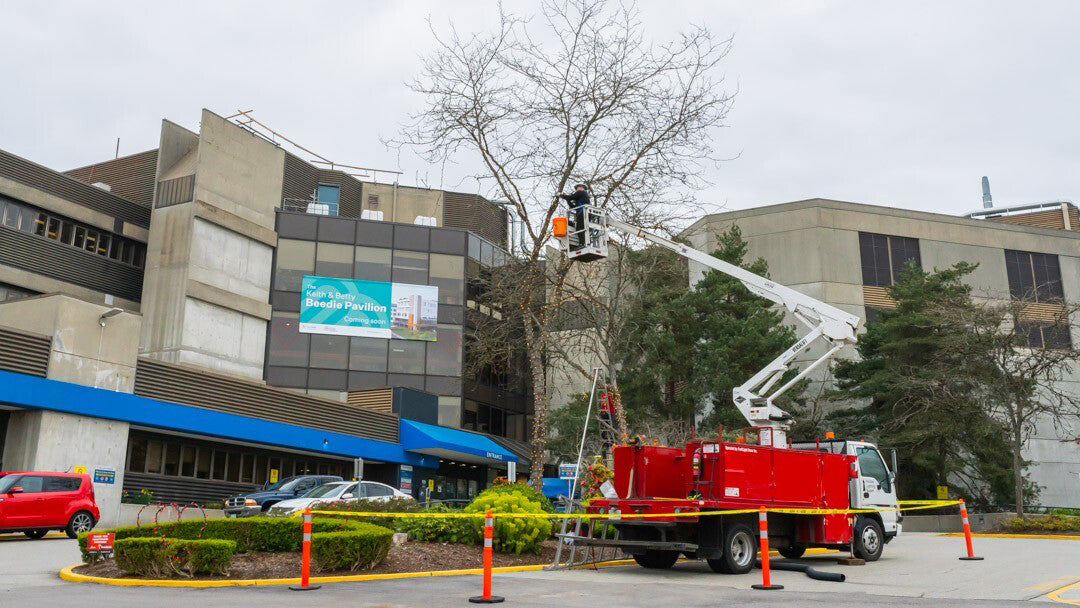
(754, 398)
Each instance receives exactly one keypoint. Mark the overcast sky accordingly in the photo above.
(904, 104)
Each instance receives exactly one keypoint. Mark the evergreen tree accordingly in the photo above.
(693, 346)
(924, 384)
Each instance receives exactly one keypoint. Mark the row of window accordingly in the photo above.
(297, 258)
(80, 236)
(289, 347)
(485, 418)
(200, 461)
(1034, 277)
(33, 484)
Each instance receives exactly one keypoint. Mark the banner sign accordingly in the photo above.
(373, 309)
(99, 543)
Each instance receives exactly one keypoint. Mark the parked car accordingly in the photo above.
(35, 502)
(254, 503)
(338, 491)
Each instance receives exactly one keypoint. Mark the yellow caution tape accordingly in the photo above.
(913, 505)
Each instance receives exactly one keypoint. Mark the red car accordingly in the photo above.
(35, 502)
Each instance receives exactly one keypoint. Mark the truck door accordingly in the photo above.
(874, 488)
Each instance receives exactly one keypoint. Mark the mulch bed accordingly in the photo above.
(408, 557)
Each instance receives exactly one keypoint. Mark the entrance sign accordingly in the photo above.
(373, 309)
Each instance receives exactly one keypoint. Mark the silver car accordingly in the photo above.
(337, 491)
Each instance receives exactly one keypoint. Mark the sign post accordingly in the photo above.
(511, 472)
(568, 471)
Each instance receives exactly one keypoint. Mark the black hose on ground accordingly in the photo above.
(835, 577)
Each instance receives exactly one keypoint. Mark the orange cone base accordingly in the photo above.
(308, 588)
(479, 599)
(766, 587)
(971, 559)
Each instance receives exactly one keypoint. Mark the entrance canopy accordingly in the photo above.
(452, 444)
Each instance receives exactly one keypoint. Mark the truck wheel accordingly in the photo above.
(739, 551)
(869, 539)
(793, 552)
(657, 560)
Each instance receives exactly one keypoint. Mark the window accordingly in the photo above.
(469, 415)
(287, 345)
(406, 357)
(172, 459)
(61, 484)
(202, 463)
(220, 456)
(368, 354)
(14, 214)
(294, 260)
(372, 489)
(410, 267)
(31, 483)
(329, 195)
(372, 264)
(329, 352)
(450, 411)
(1034, 276)
(871, 465)
(884, 257)
(448, 273)
(261, 469)
(444, 355)
(137, 456)
(1045, 335)
(153, 457)
(187, 461)
(247, 462)
(233, 469)
(333, 260)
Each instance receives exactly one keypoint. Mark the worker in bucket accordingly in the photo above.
(577, 200)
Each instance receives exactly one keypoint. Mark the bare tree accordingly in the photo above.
(576, 94)
(1033, 354)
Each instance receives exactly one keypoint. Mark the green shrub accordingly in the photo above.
(394, 505)
(1070, 512)
(440, 529)
(357, 549)
(163, 557)
(273, 534)
(1050, 523)
(512, 534)
(523, 489)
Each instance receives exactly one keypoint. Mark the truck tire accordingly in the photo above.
(657, 560)
(739, 551)
(869, 539)
(793, 552)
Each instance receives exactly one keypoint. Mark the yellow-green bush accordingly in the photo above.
(1050, 523)
(512, 534)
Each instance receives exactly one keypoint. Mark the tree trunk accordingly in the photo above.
(1018, 469)
(534, 346)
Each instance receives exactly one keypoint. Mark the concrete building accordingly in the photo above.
(144, 303)
(846, 254)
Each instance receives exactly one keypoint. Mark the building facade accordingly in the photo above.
(847, 254)
(145, 307)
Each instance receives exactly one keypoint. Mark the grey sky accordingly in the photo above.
(895, 103)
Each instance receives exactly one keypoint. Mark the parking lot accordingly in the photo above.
(917, 570)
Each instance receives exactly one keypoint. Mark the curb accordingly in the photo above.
(70, 576)
(1029, 536)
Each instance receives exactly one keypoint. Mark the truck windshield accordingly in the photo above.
(871, 465)
(280, 485)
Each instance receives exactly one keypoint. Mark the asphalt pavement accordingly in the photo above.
(916, 570)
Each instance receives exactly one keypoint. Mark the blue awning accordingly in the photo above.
(452, 444)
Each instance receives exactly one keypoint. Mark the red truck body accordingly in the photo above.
(653, 479)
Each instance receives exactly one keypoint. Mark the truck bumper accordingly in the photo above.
(242, 511)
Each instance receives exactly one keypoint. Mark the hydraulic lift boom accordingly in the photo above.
(755, 397)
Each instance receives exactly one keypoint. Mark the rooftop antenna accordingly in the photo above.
(988, 201)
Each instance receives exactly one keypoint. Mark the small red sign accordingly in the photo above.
(99, 543)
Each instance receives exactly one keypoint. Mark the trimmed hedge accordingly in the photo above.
(1049, 523)
(272, 534)
(394, 505)
(359, 549)
(440, 529)
(162, 557)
